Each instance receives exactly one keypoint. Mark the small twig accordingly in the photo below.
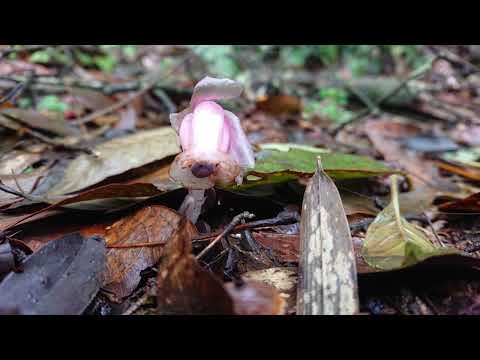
(155, 78)
(17, 90)
(279, 220)
(137, 245)
(414, 75)
(11, 191)
(228, 228)
(17, 184)
(433, 230)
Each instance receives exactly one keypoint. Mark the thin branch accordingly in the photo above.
(155, 78)
(414, 75)
(228, 228)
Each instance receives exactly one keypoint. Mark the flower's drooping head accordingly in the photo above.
(215, 148)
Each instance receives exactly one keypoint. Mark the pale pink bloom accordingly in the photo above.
(215, 148)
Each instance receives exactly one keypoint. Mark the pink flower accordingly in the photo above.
(215, 148)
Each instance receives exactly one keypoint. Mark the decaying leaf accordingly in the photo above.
(7, 260)
(392, 242)
(60, 279)
(284, 279)
(467, 205)
(184, 287)
(284, 246)
(115, 157)
(157, 224)
(256, 298)
(16, 161)
(327, 273)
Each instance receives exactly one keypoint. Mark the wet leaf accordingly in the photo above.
(300, 161)
(36, 120)
(392, 242)
(115, 157)
(61, 278)
(156, 224)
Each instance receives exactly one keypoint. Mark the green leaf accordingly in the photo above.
(52, 103)
(301, 161)
(106, 63)
(392, 242)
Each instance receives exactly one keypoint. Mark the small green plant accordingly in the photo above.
(52, 103)
(329, 102)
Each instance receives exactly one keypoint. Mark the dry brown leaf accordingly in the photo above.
(284, 279)
(115, 157)
(17, 161)
(36, 120)
(92, 100)
(280, 104)
(157, 224)
(256, 298)
(284, 246)
(184, 287)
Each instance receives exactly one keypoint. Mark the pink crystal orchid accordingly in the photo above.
(215, 149)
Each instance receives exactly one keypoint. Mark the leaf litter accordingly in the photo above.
(113, 196)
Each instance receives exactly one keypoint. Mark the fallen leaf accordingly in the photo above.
(431, 144)
(62, 278)
(392, 242)
(284, 279)
(184, 287)
(467, 205)
(17, 161)
(36, 120)
(327, 271)
(152, 224)
(467, 172)
(92, 100)
(115, 157)
(256, 298)
(280, 104)
(7, 261)
(107, 197)
(285, 247)
(298, 161)
(387, 136)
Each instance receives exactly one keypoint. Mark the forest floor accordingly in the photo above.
(88, 211)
